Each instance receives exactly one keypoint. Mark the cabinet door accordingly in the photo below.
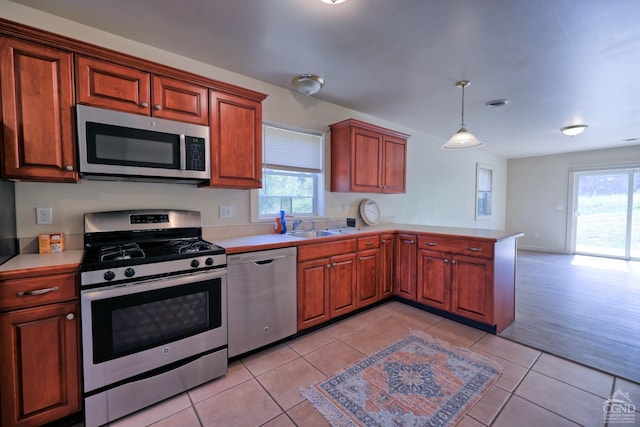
(39, 370)
(313, 292)
(471, 287)
(405, 281)
(434, 278)
(368, 278)
(394, 165)
(177, 100)
(386, 265)
(342, 285)
(366, 160)
(236, 141)
(37, 100)
(116, 87)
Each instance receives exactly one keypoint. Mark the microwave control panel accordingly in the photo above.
(195, 151)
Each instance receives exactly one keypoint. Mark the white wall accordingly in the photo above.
(539, 195)
(440, 184)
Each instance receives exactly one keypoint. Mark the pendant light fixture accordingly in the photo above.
(463, 138)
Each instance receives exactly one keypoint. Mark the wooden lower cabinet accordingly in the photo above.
(342, 284)
(369, 278)
(405, 266)
(459, 284)
(313, 292)
(326, 289)
(40, 345)
(387, 256)
(39, 368)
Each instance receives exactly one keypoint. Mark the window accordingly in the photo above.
(291, 172)
(484, 189)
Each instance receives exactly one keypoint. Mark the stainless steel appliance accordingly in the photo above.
(116, 145)
(154, 310)
(8, 235)
(262, 298)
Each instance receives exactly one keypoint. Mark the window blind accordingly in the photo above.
(292, 150)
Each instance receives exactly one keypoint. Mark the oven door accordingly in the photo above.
(132, 329)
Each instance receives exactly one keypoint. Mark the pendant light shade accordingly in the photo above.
(463, 138)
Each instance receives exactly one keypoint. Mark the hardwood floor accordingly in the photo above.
(586, 309)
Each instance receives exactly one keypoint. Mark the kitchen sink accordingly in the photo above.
(312, 233)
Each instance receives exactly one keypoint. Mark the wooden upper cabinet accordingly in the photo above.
(37, 100)
(367, 158)
(236, 141)
(117, 87)
(176, 100)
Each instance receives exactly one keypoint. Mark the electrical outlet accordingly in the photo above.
(226, 212)
(44, 216)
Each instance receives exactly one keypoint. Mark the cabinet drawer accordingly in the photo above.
(33, 291)
(328, 249)
(456, 246)
(368, 242)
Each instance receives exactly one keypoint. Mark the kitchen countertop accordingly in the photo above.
(31, 261)
(272, 241)
(268, 241)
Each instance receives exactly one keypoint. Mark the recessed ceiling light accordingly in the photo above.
(631, 139)
(496, 103)
(334, 1)
(573, 130)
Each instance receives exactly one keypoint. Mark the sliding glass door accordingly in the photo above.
(607, 213)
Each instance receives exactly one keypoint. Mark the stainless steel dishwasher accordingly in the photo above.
(262, 298)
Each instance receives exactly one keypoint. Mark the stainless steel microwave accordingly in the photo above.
(114, 146)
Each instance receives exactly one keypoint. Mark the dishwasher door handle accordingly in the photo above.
(264, 261)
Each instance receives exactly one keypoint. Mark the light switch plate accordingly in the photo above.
(226, 212)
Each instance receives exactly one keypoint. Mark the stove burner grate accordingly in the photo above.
(121, 252)
(189, 246)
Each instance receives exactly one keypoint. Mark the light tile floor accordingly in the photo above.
(535, 389)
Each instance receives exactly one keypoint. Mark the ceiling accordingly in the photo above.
(558, 62)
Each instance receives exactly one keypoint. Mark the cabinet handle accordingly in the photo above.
(71, 316)
(383, 241)
(361, 258)
(369, 243)
(334, 264)
(37, 292)
(475, 249)
(144, 104)
(157, 107)
(453, 261)
(69, 168)
(328, 265)
(431, 243)
(446, 261)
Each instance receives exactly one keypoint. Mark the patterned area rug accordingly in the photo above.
(417, 381)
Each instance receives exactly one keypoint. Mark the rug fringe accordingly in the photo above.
(335, 416)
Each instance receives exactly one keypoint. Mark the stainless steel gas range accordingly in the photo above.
(154, 310)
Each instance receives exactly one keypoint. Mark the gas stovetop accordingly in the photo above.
(133, 245)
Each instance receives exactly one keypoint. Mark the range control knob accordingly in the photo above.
(129, 272)
(195, 263)
(209, 261)
(109, 275)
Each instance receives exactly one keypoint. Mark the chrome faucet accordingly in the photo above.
(296, 223)
(313, 225)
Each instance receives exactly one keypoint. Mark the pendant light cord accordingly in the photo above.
(462, 124)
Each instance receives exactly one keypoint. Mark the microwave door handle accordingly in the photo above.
(183, 152)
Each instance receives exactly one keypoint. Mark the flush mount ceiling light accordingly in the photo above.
(463, 138)
(334, 1)
(308, 83)
(573, 130)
